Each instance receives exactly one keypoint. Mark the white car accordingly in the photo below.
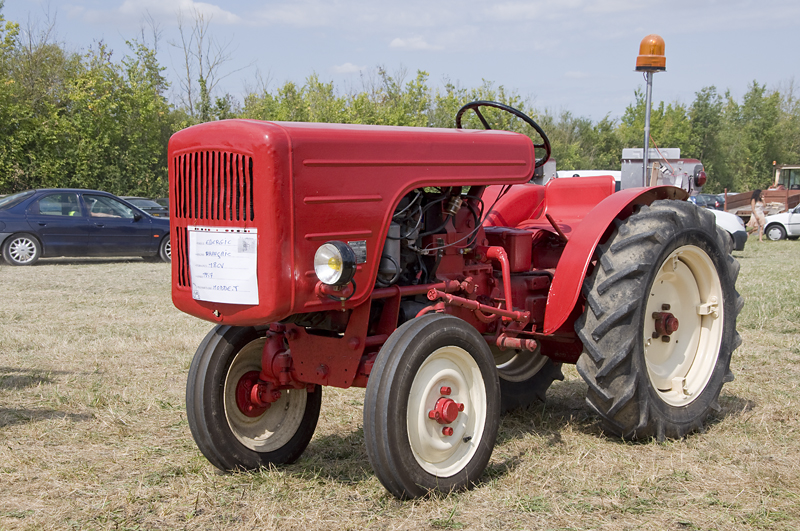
(785, 224)
(734, 226)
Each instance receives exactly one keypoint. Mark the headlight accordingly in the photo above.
(335, 263)
(740, 221)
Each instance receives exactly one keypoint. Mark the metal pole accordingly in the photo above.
(648, 96)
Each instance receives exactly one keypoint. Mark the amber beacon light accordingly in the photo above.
(651, 59)
(651, 55)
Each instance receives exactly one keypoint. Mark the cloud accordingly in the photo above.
(138, 7)
(347, 68)
(133, 10)
(412, 43)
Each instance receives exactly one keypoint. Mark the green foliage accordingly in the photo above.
(88, 120)
(81, 120)
(669, 125)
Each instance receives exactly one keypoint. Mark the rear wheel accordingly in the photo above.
(660, 322)
(432, 407)
(524, 376)
(229, 430)
(22, 249)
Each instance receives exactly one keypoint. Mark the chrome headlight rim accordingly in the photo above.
(335, 263)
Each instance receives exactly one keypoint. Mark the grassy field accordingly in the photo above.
(93, 432)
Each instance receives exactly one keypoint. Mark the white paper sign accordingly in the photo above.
(222, 263)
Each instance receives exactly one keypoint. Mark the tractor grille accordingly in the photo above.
(180, 253)
(209, 186)
(213, 185)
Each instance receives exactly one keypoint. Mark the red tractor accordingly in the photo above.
(422, 264)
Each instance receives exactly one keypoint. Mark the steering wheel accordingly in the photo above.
(476, 105)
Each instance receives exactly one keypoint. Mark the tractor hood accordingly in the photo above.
(251, 201)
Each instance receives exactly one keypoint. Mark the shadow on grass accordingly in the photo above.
(566, 406)
(342, 458)
(17, 378)
(337, 457)
(730, 407)
(11, 417)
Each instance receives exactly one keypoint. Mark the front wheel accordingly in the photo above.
(22, 249)
(229, 430)
(775, 232)
(432, 407)
(660, 322)
(165, 250)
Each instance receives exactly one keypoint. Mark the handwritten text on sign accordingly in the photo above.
(222, 262)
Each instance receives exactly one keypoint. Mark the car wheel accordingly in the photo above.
(22, 249)
(165, 250)
(660, 323)
(775, 232)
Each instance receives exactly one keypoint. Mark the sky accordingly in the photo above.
(561, 55)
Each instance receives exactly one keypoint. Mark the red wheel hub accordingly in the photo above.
(666, 323)
(445, 411)
(243, 389)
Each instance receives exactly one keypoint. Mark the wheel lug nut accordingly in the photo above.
(445, 390)
(433, 415)
(447, 431)
(461, 407)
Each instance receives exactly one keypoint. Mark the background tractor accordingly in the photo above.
(423, 265)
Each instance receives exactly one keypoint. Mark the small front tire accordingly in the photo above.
(432, 407)
(229, 437)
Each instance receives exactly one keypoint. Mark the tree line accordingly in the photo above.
(92, 120)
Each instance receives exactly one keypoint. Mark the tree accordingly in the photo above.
(705, 118)
(203, 64)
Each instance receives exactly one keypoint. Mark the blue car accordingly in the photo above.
(70, 222)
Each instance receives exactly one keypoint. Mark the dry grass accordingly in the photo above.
(93, 432)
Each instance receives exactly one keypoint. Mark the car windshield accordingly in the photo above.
(14, 199)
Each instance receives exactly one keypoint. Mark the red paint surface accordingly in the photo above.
(318, 182)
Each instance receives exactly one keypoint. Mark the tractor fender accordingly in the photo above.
(579, 250)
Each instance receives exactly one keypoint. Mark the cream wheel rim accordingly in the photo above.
(518, 365)
(277, 425)
(437, 453)
(680, 364)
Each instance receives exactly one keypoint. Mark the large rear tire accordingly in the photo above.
(432, 407)
(232, 434)
(649, 376)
